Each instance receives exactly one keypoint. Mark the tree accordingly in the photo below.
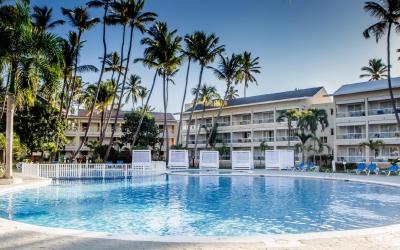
(206, 96)
(205, 49)
(143, 94)
(228, 70)
(39, 125)
(263, 147)
(249, 67)
(373, 146)
(289, 116)
(134, 86)
(321, 147)
(42, 18)
(188, 54)
(302, 145)
(138, 20)
(232, 93)
(388, 15)
(148, 135)
(19, 149)
(375, 70)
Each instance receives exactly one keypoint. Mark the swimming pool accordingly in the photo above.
(182, 205)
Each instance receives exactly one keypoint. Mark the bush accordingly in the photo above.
(2, 171)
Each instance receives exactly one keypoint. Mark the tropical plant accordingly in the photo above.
(321, 146)
(249, 67)
(206, 96)
(42, 18)
(302, 146)
(289, 116)
(204, 50)
(131, 12)
(388, 14)
(375, 70)
(373, 146)
(228, 70)
(232, 93)
(134, 86)
(263, 147)
(143, 94)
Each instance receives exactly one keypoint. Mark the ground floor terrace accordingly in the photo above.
(16, 235)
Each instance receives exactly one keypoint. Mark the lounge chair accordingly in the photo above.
(392, 169)
(301, 167)
(311, 166)
(361, 167)
(372, 168)
(120, 162)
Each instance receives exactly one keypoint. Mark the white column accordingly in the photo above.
(9, 136)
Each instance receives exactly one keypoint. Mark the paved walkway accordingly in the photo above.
(14, 235)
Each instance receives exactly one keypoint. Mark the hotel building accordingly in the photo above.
(364, 112)
(246, 122)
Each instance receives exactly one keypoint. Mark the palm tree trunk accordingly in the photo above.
(198, 133)
(389, 78)
(118, 79)
(314, 156)
(218, 114)
(71, 95)
(111, 108)
(194, 104)
(245, 87)
(98, 82)
(165, 119)
(289, 133)
(5, 94)
(110, 144)
(178, 136)
(144, 110)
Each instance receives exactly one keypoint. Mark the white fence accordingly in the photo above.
(104, 170)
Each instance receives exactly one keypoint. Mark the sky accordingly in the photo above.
(300, 43)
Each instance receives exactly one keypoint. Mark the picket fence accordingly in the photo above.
(89, 170)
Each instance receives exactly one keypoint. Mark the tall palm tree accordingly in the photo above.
(375, 70)
(232, 93)
(321, 147)
(302, 145)
(188, 54)
(316, 118)
(388, 14)
(134, 87)
(103, 100)
(249, 67)
(143, 94)
(137, 19)
(208, 94)
(205, 49)
(373, 146)
(228, 70)
(42, 18)
(80, 19)
(289, 116)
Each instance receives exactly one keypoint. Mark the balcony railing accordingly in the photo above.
(218, 140)
(258, 121)
(395, 134)
(222, 124)
(241, 140)
(350, 158)
(357, 113)
(383, 158)
(243, 122)
(286, 138)
(261, 139)
(382, 111)
(351, 136)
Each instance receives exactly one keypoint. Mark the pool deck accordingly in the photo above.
(15, 235)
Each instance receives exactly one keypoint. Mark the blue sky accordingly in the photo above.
(301, 43)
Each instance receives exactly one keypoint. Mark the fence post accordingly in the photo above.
(104, 170)
(80, 170)
(37, 169)
(57, 171)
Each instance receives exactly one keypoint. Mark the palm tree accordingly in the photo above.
(137, 19)
(143, 94)
(373, 146)
(205, 49)
(41, 18)
(249, 68)
(289, 116)
(375, 70)
(103, 100)
(228, 70)
(388, 15)
(232, 93)
(80, 19)
(207, 95)
(321, 147)
(134, 86)
(263, 147)
(187, 53)
(314, 118)
(302, 145)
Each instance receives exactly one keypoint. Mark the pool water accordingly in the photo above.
(179, 205)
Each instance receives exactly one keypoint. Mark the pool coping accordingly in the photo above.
(279, 240)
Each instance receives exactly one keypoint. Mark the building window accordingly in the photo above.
(332, 131)
(331, 111)
(324, 139)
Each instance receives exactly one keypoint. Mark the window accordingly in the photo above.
(331, 111)
(324, 139)
(332, 131)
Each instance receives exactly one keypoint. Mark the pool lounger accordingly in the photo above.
(392, 169)
(372, 168)
(361, 167)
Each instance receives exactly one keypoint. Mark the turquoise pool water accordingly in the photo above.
(205, 205)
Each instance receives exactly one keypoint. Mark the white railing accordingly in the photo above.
(104, 170)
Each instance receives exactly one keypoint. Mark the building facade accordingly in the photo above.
(78, 122)
(364, 112)
(246, 122)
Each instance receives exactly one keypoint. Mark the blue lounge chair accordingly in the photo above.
(120, 162)
(311, 166)
(301, 167)
(392, 169)
(361, 167)
(372, 168)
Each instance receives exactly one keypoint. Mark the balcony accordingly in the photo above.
(350, 158)
(286, 138)
(259, 121)
(384, 135)
(261, 139)
(353, 136)
(382, 111)
(357, 113)
(242, 122)
(224, 124)
(241, 140)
